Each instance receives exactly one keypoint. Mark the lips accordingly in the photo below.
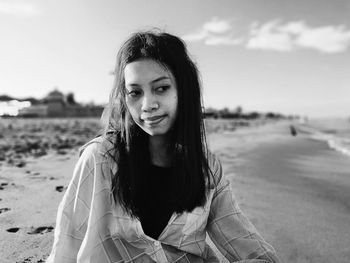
(153, 119)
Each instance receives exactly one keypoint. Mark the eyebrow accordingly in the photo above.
(153, 81)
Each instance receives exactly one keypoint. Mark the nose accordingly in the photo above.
(149, 103)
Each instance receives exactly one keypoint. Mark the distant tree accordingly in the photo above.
(252, 115)
(70, 98)
(237, 113)
(32, 100)
(210, 113)
(239, 110)
(272, 115)
(224, 113)
(6, 98)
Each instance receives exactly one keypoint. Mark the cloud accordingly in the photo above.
(268, 37)
(326, 39)
(214, 32)
(217, 26)
(19, 9)
(275, 36)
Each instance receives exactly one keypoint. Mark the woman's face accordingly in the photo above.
(151, 96)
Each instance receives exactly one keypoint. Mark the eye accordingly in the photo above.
(162, 88)
(133, 93)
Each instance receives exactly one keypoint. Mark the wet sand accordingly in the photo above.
(295, 190)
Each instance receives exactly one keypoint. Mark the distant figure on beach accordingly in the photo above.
(293, 130)
(148, 189)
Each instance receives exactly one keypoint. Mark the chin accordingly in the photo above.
(155, 132)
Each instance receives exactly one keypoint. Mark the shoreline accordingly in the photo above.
(296, 191)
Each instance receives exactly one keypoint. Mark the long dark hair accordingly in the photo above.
(190, 164)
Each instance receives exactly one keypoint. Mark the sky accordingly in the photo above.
(290, 57)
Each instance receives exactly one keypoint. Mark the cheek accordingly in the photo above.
(131, 109)
(175, 103)
(131, 106)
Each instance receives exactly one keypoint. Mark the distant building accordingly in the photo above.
(83, 111)
(40, 110)
(55, 105)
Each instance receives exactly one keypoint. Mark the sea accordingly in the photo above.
(334, 131)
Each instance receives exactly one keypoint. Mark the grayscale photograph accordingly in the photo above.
(190, 131)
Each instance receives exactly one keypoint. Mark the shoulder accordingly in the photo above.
(213, 161)
(99, 145)
(96, 151)
(215, 168)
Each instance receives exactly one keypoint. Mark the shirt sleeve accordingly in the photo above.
(73, 211)
(230, 230)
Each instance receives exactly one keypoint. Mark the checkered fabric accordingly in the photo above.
(92, 228)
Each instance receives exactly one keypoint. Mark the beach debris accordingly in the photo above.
(2, 186)
(35, 175)
(39, 153)
(40, 230)
(13, 229)
(2, 210)
(27, 260)
(59, 188)
(21, 164)
(23, 138)
(61, 152)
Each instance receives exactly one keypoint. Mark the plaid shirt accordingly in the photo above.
(91, 227)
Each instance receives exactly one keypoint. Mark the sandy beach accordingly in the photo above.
(295, 190)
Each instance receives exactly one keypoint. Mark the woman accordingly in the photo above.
(148, 189)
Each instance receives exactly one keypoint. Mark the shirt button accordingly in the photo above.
(156, 243)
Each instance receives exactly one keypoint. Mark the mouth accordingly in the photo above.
(153, 120)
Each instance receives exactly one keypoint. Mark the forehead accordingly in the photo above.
(145, 71)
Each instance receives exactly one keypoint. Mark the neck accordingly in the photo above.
(159, 151)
